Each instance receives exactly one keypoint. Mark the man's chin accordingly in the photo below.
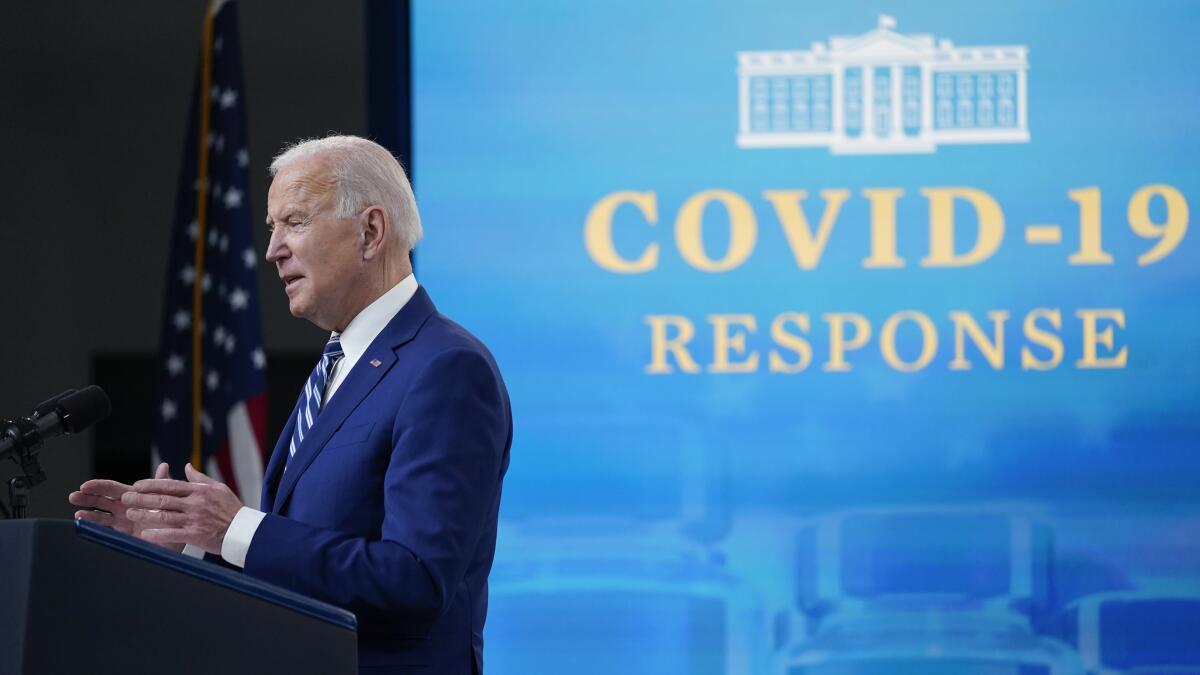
(302, 310)
(298, 308)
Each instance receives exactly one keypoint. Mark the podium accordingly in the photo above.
(79, 598)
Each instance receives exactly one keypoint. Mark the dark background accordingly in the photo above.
(94, 99)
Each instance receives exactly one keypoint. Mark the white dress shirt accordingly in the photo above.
(359, 334)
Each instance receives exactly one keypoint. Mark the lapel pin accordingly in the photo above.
(376, 362)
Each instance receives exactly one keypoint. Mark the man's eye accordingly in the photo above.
(288, 225)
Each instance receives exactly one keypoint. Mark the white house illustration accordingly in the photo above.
(882, 93)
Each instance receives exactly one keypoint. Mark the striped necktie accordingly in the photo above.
(314, 391)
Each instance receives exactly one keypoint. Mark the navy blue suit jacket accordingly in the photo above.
(389, 506)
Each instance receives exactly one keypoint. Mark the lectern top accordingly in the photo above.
(216, 574)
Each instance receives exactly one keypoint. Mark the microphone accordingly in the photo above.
(67, 413)
(48, 406)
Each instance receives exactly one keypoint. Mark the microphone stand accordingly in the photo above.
(23, 437)
(27, 440)
(18, 496)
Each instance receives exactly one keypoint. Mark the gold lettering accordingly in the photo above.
(597, 232)
(792, 341)
(883, 228)
(743, 231)
(1042, 338)
(993, 351)
(887, 341)
(1092, 337)
(724, 343)
(660, 344)
(805, 247)
(941, 226)
(838, 344)
(1090, 250)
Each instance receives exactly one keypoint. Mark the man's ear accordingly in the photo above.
(375, 228)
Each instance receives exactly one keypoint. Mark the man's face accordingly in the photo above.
(318, 255)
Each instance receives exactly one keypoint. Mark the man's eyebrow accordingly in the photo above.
(288, 215)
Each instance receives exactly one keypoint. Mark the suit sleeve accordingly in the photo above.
(448, 444)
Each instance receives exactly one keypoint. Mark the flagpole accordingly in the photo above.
(201, 215)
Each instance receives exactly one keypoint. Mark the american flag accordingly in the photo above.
(215, 352)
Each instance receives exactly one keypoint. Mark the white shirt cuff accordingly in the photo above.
(193, 551)
(241, 531)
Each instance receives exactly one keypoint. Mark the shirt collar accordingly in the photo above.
(367, 324)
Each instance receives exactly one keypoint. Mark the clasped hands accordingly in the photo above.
(160, 510)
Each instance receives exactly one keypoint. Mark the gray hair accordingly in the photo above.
(364, 174)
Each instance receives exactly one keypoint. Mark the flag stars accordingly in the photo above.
(222, 333)
(233, 198)
(238, 299)
(224, 339)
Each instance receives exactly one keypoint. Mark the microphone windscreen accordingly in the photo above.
(84, 408)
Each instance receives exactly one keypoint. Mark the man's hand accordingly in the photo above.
(105, 495)
(196, 512)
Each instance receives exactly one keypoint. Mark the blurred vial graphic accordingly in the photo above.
(925, 591)
(1135, 633)
(596, 596)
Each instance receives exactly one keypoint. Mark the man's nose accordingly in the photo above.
(275, 247)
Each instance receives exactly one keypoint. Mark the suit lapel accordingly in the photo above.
(358, 383)
(276, 462)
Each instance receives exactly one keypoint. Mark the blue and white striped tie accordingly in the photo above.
(314, 392)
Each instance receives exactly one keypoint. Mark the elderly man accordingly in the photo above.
(381, 495)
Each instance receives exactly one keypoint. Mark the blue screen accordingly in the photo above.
(841, 338)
